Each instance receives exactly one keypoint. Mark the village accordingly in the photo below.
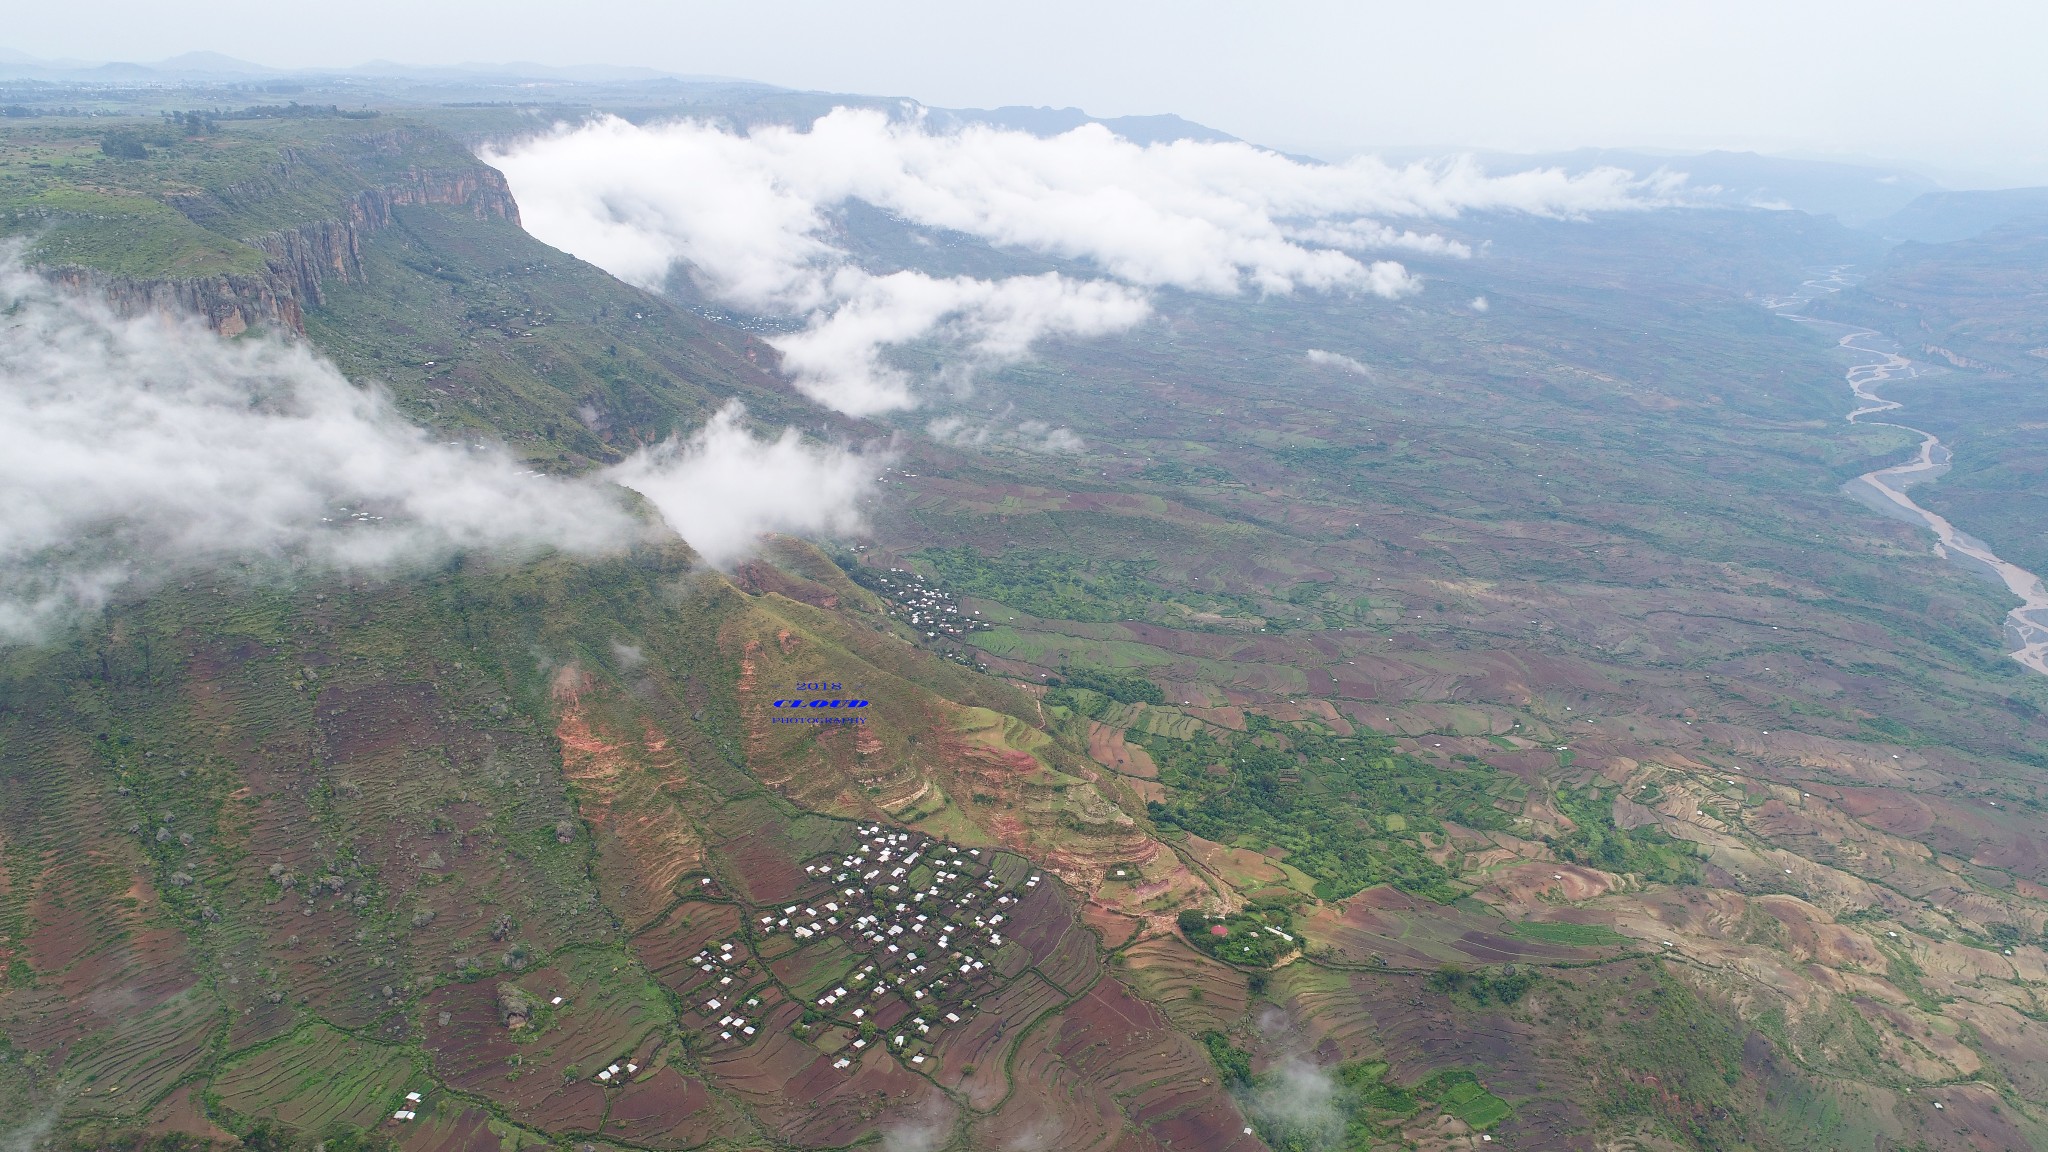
(909, 597)
(904, 935)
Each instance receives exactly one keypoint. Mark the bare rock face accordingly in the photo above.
(230, 305)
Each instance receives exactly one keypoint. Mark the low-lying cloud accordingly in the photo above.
(1028, 435)
(1296, 1106)
(135, 448)
(722, 488)
(838, 357)
(1322, 358)
(752, 218)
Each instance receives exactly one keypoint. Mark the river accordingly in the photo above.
(2026, 627)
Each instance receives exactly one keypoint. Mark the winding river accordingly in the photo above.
(2026, 627)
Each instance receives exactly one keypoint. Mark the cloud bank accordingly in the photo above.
(752, 218)
(132, 449)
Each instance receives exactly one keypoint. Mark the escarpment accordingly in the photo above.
(307, 214)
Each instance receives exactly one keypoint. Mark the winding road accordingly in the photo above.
(2026, 627)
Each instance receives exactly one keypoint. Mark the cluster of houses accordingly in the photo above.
(926, 926)
(929, 610)
(925, 923)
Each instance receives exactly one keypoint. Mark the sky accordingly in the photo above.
(1956, 88)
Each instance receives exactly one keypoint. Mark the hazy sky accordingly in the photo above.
(1957, 85)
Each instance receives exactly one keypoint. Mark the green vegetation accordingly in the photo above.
(1674, 1060)
(1354, 1107)
(1349, 810)
(1049, 584)
(1457, 1092)
(1122, 688)
(1257, 936)
(1505, 986)
(1233, 1062)
(1183, 474)
(1597, 842)
(150, 197)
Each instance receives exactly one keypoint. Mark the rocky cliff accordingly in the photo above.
(230, 305)
(305, 256)
(341, 193)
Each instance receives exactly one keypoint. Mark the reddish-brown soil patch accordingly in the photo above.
(624, 769)
(456, 1130)
(181, 1113)
(1115, 928)
(984, 1041)
(802, 1098)
(1108, 747)
(359, 722)
(671, 1110)
(1111, 1072)
(1406, 931)
(667, 947)
(525, 1071)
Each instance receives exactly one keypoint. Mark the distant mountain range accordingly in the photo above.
(217, 68)
(1942, 217)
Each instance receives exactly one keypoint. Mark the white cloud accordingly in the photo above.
(1479, 304)
(723, 488)
(1296, 1103)
(751, 219)
(838, 359)
(1371, 234)
(1029, 435)
(1323, 359)
(130, 445)
(132, 449)
(1038, 436)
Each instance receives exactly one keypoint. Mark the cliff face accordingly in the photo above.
(305, 256)
(230, 305)
(302, 257)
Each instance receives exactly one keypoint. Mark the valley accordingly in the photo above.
(1474, 718)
